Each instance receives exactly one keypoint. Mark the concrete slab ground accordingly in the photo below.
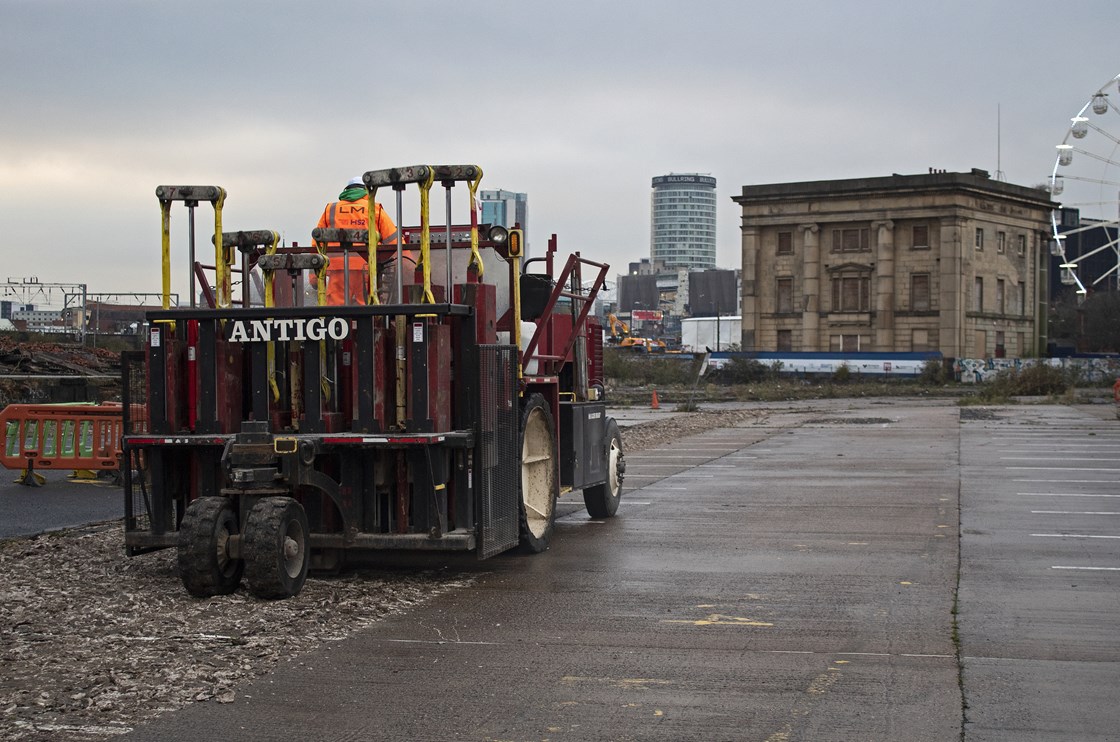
(789, 581)
(1040, 573)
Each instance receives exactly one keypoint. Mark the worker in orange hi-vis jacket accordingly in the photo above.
(349, 212)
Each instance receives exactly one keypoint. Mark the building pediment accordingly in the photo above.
(850, 268)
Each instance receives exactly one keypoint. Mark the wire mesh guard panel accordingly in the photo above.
(134, 395)
(499, 466)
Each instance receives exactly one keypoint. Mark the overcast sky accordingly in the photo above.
(576, 103)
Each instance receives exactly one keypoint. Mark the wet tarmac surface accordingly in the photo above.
(789, 580)
(1040, 575)
(62, 502)
(784, 581)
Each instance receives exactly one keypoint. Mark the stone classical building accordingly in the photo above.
(950, 262)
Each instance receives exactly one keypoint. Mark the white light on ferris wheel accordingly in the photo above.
(1080, 127)
(1057, 186)
(1100, 103)
(1065, 154)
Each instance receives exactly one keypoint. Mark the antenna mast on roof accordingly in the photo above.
(999, 170)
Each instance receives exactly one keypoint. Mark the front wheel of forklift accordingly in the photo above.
(205, 565)
(276, 547)
(538, 475)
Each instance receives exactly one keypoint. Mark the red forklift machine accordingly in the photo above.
(273, 434)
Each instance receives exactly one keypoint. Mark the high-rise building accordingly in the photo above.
(683, 221)
(507, 209)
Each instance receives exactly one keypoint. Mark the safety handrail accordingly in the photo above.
(579, 321)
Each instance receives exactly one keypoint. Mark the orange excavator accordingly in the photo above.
(621, 337)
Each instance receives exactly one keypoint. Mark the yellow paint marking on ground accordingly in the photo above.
(804, 705)
(658, 712)
(857, 543)
(821, 684)
(640, 682)
(617, 682)
(705, 605)
(841, 662)
(904, 582)
(939, 535)
(943, 526)
(718, 619)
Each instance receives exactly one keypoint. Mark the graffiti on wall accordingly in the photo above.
(973, 370)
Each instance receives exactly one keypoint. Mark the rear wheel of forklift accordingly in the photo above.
(602, 500)
(276, 547)
(538, 475)
(205, 565)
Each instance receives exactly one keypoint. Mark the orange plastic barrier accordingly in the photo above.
(60, 436)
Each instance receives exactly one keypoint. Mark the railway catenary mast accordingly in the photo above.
(445, 414)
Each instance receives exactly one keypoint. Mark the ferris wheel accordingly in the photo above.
(1087, 172)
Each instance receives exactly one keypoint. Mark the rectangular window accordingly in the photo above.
(1022, 245)
(919, 292)
(785, 295)
(980, 344)
(1001, 242)
(844, 343)
(851, 293)
(920, 234)
(919, 341)
(1022, 299)
(999, 295)
(979, 238)
(785, 341)
(978, 295)
(851, 240)
(1022, 349)
(785, 243)
(1001, 351)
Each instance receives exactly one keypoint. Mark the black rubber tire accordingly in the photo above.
(276, 547)
(203, 552)
(602, 499)
(539, 477)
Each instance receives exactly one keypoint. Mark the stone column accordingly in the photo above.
(884, 286)
(750, 304)
(1038, 285)
(811, 288)
(951, 299)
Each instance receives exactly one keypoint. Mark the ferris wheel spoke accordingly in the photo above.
(1104, 275)
(1093, 252)
(1104, 133)
(1083, 179)
(1095, 156)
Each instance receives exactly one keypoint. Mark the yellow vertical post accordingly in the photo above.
(165, 214)
(221, 266)
(373, 239)
(476, 259)
(269, 302)
(426, 237)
